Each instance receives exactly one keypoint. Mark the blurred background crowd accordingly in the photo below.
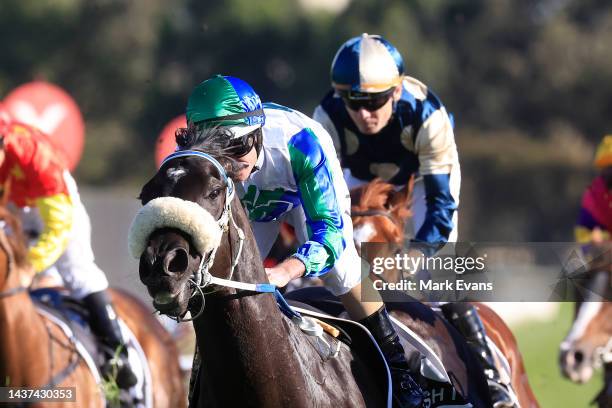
(529, 84)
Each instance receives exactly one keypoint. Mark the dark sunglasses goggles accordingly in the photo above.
(368, 101)
(242, 145)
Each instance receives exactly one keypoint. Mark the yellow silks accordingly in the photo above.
(583, 235)
(603, 156)
(57, 215)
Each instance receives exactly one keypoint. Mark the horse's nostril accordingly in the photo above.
(176, 261)
(578, 356)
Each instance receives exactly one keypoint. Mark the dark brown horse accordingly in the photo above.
(588, 344)
(34, 350)
(251, 354)
(380, 214)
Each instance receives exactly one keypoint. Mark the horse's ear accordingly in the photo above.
(356, 194)
(150, 191)
(401, 199)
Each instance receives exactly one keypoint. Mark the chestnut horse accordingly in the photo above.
(380, 214)
(198, 254)
(588, 344)
(34, 350)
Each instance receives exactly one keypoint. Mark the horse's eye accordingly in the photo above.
(214, 194)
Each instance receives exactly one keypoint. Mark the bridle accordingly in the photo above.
(12, 292)
(202, 278)
(374, 213)
(602, 354)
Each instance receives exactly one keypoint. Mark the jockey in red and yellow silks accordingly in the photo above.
(33, 176)
(35, 179)
(596, 207)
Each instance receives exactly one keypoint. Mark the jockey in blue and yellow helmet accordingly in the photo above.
(387, 124)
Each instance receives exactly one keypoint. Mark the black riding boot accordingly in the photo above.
(464, 317)
(406, 391)
(104, 324)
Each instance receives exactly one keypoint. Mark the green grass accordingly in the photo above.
(109, 386)
(539, 344)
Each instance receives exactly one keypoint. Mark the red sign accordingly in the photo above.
(52, 110)
(166, 142)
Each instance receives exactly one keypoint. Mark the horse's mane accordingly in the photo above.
(213, 140)
(15, 237)
(379, 195)
(375, 194)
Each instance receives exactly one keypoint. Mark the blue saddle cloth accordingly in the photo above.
(65, 306)
(74, 314)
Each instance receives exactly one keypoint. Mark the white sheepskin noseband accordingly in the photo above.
(174, 212)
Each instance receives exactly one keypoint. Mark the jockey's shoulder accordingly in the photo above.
(19, 136)
(16, 131)
(284, 123)
(279, 115)
(417, 93)
(415, 87)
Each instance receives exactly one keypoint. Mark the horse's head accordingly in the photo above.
(178, 231)
(379, 212)
(588, 345)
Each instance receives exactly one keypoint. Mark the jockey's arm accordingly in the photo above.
(440, 208)
(46, 190)
(318, 197)
(588, 229)
(437, 152)
(56, 213)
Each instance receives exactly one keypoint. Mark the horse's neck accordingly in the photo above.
(245, 343)
(15, 307)
(20, 324)
(20, 328)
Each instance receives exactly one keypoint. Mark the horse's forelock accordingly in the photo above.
(211, 140)
(214, 141)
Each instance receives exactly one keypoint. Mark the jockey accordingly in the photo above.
(34, 179)
(290, 173)
(595, 219)
(386, 124)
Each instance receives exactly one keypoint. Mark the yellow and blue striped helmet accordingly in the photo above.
(367, 64)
